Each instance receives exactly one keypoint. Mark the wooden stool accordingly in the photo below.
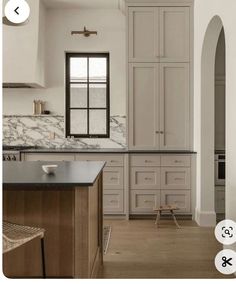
(169, 208)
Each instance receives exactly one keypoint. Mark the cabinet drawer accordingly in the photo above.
(113, 201)
(145, 178)
(145, 160)
(175, 161)
(111, 160)
(144, 201)
(179, 198)
(175, 178)
(113, 178)
(49, 157)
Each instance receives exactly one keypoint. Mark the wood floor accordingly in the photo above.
(138, 250)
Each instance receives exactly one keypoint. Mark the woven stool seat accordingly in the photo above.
(15, 235)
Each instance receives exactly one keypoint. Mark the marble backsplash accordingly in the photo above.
(39, 131)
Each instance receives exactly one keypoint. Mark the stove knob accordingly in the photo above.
(4, 159)
(14, 158)
(8, 158)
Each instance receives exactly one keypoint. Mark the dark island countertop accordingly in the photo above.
(104, 151)
(78, 173)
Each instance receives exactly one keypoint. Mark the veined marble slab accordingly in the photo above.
(35, 131)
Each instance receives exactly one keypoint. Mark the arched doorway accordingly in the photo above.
(205, 213)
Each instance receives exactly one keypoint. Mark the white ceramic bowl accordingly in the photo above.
(49, 169)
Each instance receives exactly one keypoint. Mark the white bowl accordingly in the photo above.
(49, 169)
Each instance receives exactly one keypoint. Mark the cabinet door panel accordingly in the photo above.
(143, 106)
(145, 178)
(179, 198)
(175, 178)
(113, 201)
(174, 106)
(174, 34)
(144, 202)
(113, 178)
(143, 34)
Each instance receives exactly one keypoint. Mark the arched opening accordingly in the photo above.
(206, 197)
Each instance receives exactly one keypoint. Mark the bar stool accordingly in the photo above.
(15, 235)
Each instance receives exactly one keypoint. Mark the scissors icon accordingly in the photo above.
(227, 232)
(226, 261)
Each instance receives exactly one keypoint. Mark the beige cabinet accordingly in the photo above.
(164, 180)
(158, 34)
(113, 201)
(175, 178)
(144, 202)
(114, 180)
(180, 198)
(145, 178)
(159, 106)
(174, 106)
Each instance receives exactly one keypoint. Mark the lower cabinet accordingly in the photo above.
(167, 183)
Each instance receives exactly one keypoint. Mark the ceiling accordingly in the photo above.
(85, 4)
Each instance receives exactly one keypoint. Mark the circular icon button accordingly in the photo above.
(225, 232)
(17, 11)
(225, 261)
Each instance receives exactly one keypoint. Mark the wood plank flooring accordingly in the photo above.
(137, 249)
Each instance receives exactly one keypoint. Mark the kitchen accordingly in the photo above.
(53, 73)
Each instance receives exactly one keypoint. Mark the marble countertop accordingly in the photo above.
(79, 173)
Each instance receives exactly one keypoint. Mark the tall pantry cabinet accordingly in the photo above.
(159, 66)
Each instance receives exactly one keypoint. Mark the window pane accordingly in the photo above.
(78, 69)
(78, 121)
(97, 95)
(97, 69)
(78, 95)
(97, 122)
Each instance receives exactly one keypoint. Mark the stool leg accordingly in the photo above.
(157, 219)
(174, 218)
(43, 258)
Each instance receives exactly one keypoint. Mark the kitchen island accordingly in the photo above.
(68, 205)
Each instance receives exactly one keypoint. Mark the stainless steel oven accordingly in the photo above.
(13, 153)
(220, 169)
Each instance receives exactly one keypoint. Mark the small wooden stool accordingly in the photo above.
(169, 208)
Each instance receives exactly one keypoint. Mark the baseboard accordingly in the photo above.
(163, 217)
(205, 218)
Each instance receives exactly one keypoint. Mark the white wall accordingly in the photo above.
(204, 11)
(110, 24)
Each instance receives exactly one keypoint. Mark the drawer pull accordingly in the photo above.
(147, 201)
(114, 161)
(146, 178)
(178, 161)
(148, 161)
(113, 178)
(179, 178)
(113, 201)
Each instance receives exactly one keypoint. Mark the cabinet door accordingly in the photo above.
(143, 34)
(113, 178)
(145, 178)
(175, 178)
(143, 106)
(174, 34)
(179, 198)
(113, 201)
(144, 201)
(174, 106)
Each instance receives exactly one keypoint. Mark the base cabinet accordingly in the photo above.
(167, 183)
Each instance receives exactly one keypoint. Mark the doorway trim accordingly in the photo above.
(205, 208)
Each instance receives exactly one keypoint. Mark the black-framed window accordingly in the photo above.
(87, 95)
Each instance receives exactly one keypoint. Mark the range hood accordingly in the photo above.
(23, 50)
